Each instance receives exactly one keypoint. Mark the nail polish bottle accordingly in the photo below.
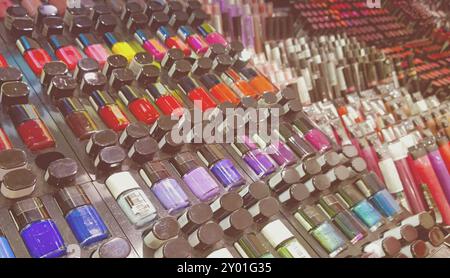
(374, 190)
(206, 236)
(242, 87)
(30, 127)
(302, 148)
(277, 150)
(37, 230)
(168, 191)
(196, 94)
(5, 144)
(225, 205)
(171, 40)
(93, 81)
(250, 246)
(35, 56)
(139, 106)
(383, 248)
(258, 81)
(264, 209)
(143, 150)
(61, 172)
(108, 111)
(236, 223)
(110, 159)
(167, 103)
(114, 248)
(361, 207)
(6, 251)
(119, 46)
(136, 21)
(14, 12)
(100, 140)
(194, 217)
(22, 27)
(259, 162)
(193, 39)
(151, 44)
(61, 86)
(131, 199)
(316, 224)
(343, 219)
(279, 236)
(65, 51)
(82, 217)
(105, 23)
(283, 179)
(53, 69)
(210, 35)
(18, 183)
(312, 134)
(120, 77)
(175, 248)
(157, 20)
(115, 61)
(10, 160)
(77, 118)
(218, 90)
(93, 48)
(222, 168)
(196, 177)
(163, 230)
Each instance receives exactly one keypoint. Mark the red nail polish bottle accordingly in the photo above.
(170, 39)
(93, 48)
(65, 52)
(3, 62)
(108, 111)
(196, 94)
(5, 144)
(218, 90)
(166, 103)
(139, 106)
(35, 56)
(30, 127)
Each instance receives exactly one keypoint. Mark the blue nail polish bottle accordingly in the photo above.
(82, 217)
(5, 249)
(362, 208)
(373, 189)
(38, 231)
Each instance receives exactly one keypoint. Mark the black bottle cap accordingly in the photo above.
(72, 197)
(172, 55)
(43, 160)
(114, 248)
(101, 139)
(148, 74)
(153, 7)
(193, 5)
(115, 61)
(22, 27)
(110, 159)
(9, 74)
(70, 13)
(105, 23)
(13, 12)
(14, 92)
(121, 77)
(80, 24)
(68, 106)
(129, 93)
(18, 183)
(143, 150)
(93, 81)
(222, 63)
(28, 211)
(172, 7)
(131, 133)
(84, 66)
(350, 194)
(168, 145)
(139, 60)
(209, 80)
(197, 18)
(22, 112)
(157, 20)
(130, 8)
(235, 48)
(52, 69)
(187, 84)
(98, 10)
(163, 125)
(62, 86)
(202, 66)
(215, 50)
(61, 172)
(210, 154)
(184, 163)
(43, 11)
(178, 19)
(155, 171)
(136, 21)
(179, 69)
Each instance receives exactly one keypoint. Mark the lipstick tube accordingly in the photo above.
(210, 35)
(170, 39)
(139, 106)
(196, 42)
(65, 51)
(108, 111)
(31, 128)
(77, 118)
(167, 103)
(218, 90)
(444, 149)
(439, 166)
(196, 94)
(35, 56)
(118, 46)
(152, 45)
(93, 48)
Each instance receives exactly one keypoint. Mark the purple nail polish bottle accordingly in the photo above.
(196, 177)
(302, 148)
(258, 161)
(276, 149)
(38, 231)
(222, 168)
(312, 134)
(166, 189)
